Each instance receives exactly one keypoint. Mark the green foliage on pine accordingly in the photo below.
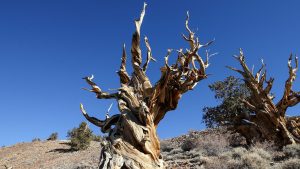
(80, 137)
(229, 93)
(36, 140)
(53, 137)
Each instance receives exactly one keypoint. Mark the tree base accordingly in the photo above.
(122, 155)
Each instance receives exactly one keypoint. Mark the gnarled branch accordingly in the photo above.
(97, 90)
(180, 77)
(105, 125)
(135, 47)
(149, 55)
(124, 77)
(270, 118)
(289, 98)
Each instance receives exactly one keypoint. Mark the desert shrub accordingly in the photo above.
(236, 140)
(293, 163)
(53, 136)
(253, 161)
(261, 152)
(278, 156)
(239, 157)
(188, 145)
(175, 151)
(219, 163)
(235, 154)
(96, 138)
(165, 147)
(213, 144)
(36, 139)
(292, 151)
(80, 137)
(270, 146)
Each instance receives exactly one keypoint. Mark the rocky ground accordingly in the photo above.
(212, 149)
(48, 154)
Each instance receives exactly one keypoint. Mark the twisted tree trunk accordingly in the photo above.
(268, 121)
(132, 140)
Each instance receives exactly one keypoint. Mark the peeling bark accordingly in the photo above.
(269, 121)
(132, 140)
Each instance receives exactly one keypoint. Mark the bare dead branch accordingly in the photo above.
(97, 90)
(169, 51)
(289, 98)
(257, 75)
(105, 125)
(190, 38)
(149, 55)
(270, 118)
(269, 85)
(208, 56)
(93, 120)
(180, 77)
(124, 77)
(235, 69)
(135, 47)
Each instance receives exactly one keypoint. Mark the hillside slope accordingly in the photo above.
(209, 149)
(48, 154)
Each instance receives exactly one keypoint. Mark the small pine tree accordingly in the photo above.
(53, 137)
(80, 137)
(229, 93)
(36, 139)
(96, 138)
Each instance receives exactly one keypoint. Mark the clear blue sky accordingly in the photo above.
(47, 46)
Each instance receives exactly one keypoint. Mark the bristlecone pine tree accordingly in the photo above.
(132, 140)
(268, 121)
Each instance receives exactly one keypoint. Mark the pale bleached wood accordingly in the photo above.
(270, 122)
(132, 141)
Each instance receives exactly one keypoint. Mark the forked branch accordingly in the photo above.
(180, 77)
(149, 55)
(289, 98)
(105, 125)
(260, 95)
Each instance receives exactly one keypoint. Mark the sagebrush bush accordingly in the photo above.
(36, 139)
(188, 145)
(261, 152)
(255, 158)
(165, 147)
(292, 151)
(176, 151)
(212, 149)
(293, 163)
(53, 136)
(213, 144)
(236, 140)
(96, 138)
(254, 161)
(80, 137)
(235, 154)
